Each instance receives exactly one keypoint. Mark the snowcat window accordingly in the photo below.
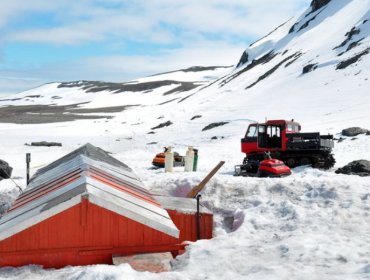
(252, 131)
(273, 136)
(261, 129)
(273, 131)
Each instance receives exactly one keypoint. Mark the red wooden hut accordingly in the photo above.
(88, 206)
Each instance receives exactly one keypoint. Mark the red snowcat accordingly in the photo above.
(283, 141)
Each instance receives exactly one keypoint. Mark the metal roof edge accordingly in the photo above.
(29, 206)
(36, 216)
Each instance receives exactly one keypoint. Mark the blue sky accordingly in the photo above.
(119, 40)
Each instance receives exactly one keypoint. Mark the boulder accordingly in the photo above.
(5, 170)
(354, 131)
(357, 167)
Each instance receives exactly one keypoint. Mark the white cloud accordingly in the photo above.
(207, 32)
(89, 21)
(119, 68)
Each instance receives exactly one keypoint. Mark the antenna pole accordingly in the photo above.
(28, 160)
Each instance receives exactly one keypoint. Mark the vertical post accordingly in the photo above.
(28, 160)
(199, 216)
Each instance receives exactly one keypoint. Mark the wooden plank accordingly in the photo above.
(194, 191)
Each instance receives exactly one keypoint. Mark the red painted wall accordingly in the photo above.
(83, 234)
(89, 234)
(187, 224)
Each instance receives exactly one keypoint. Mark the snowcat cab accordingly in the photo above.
(268, 136)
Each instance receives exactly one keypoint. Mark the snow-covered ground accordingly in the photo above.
(311, 225)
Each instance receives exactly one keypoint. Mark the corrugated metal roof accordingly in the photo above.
(86, 172)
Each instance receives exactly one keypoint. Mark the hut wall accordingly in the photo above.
(83, 234)
(187, 224)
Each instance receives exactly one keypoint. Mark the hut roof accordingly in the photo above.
(92, 173)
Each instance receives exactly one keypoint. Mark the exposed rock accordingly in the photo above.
(318, 4)
(292, 29)
(167, 123)
(213, 125)
(193, 69)
(196, 117)
(354, 131)
(349, 35)
(307, 23)
(309, 68)
(315, 5)
(215, 137)
(272, 70)
(351, 46)
(262, 60)
(357, 167)
(243, 59)
(36, 114)
(46, 144)
(5, 170)
(345, 63)
(96, 86)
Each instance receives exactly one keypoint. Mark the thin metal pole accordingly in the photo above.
(28, 160)
(198, 218)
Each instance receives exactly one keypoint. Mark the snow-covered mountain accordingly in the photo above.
(314, 68)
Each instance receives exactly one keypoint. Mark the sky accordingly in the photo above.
(118, 40)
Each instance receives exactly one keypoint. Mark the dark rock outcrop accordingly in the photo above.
(354, 31)
(354, 131)
(5, 170)
(96, 86)
(357, 167)
(262, 60)
(318, 4)
(213, 125)
(309, 68)
(243, 59)
(167, 123)
(272, 70)
(46, 144)
(196, 117)
(345, 63)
